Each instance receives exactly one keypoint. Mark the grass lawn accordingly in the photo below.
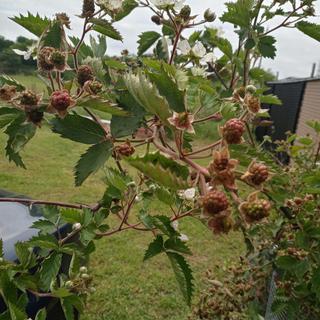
(126, 287)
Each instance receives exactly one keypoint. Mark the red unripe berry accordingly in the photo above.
(259, 173)
(60, 100)
(233, 130)
(215, 202)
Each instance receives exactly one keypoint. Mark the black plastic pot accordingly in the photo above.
(15, 222)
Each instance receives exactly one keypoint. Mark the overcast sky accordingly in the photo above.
(296, 52)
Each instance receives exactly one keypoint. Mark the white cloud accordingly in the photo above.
(296, 52)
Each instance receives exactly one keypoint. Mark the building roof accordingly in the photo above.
(294, 80)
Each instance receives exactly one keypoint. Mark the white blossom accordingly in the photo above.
(110, 4)
(184, 237)
(199, 50)
(189, 194)
(164, 4)
(208, 58)
(175, 225)
(198, 72)
(76, 226)
(184, 47)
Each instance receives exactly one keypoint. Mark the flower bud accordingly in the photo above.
(84, 74)
(69, 284)
(7, 92)
(85, 276)
(76, 226)
(83, 270)
(29, 98)
(209, 15)
(185, 12)
(44, 62)
(251, 89)
(156, 20)
(87, 8)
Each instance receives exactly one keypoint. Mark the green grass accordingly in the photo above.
(126, 287)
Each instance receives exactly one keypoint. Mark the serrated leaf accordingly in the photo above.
(165, 196)
(84, 50)
(183, 275)
(166, 172)
(225, 46)
(101, 105)
(147, 95)
(116, 179)
(266, 47)
(106, 28)
(5, 79)
(32, 23)
(310, 29)
(79, 129)
(44, 226)
(239, 13)
(176, 244)
(146, 40)
(125, 126)
(145, 218)
(67, 308)
(41, 315)
(168, 87)
(92, 160)
(49, 270)
(7, 115)
(99, 47)
(155, 248)
(163, 223)
(53, 36)
(271, 99)
(127, 7)
(24, 255)
(71, 215)
(44, 242)
(115, 64)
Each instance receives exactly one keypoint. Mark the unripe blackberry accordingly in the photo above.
(60, 100)
(35, 116)
(88, 8)
(209, 15)
(84, 74)
(44, 62)
(221, 224)
(233, 130)
(251, 89)
(256, 210)
(253, 103)
(7, 92)
(156, 20)
(215, 202)
(93, 87)
(58, 59)
(185, 12)
(259, 173)
(125, 149)
(29, 98)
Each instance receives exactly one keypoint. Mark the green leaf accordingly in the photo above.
(53, 36)
(44, 242)
(79, 129)
(166, 172)
(115, 64)
(34, 24)
(315, 283)
(168, 87)
(71, 215)
(146, 40)
(176, 244)
(147, 95)
(91, 161)
(49, 270)
(266, 47)
(127, 7)
(7, 115)
(225, 46)
(20, 134)
(165, 196)
(116, 179)
(45, 226)
(271, 99)
(24, 254)
(163, 223)
(287, 263)
(101, 105)
(155, 248)
(99, 47)
(106, 28)
(183, 275)
(125, 126)
(310, 29)
(67, 308)
(41, 315)
(4, 79)
(84, 50)
(239, 13)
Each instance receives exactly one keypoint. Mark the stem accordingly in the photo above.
(31, 202)
(211, 146)
(250, 134)
(176, 41)
(217, 116)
